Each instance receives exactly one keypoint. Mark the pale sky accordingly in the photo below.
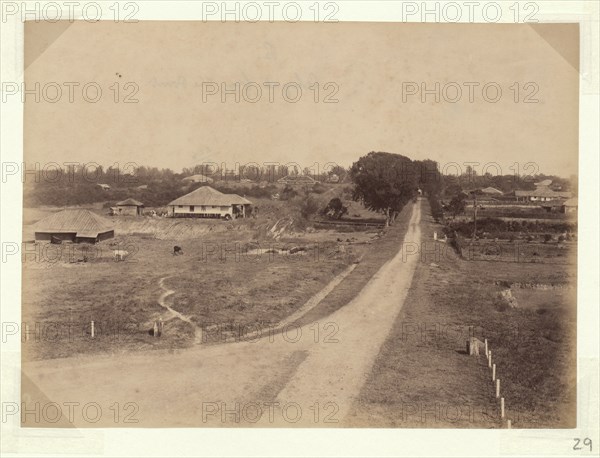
(172, 126)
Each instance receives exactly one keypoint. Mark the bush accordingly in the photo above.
(318, 188)
(288, 193)
(455, 243)
(436, 208)
(308, 207)
(335, 208)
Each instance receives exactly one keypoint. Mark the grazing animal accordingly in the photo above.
(177, 250)
(120, 255)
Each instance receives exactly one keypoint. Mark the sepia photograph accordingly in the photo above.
(273, 216)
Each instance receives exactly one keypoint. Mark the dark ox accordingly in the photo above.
(177, 250)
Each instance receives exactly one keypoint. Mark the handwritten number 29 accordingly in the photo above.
(587, 443)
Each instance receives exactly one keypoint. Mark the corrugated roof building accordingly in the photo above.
(570, 205)
(206, 202)
(491, 190)
(129, 207)
(198, 179)
(542, 194)
(74, 226)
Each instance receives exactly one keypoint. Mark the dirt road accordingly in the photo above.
(307, 376)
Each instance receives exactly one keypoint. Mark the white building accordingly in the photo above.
(206, 202)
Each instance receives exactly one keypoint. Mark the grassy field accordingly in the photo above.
(217, 282)
(423, 376)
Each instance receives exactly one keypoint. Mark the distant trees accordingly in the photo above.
(431, 183)
(339, 171)
(457, 204)
(80, 185)
(384, 182)
(429, 178)
(452, 188)
(506, 183)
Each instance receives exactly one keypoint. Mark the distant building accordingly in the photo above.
(491, 191)
(552, 206)
(78, 226)
(544, 183)
(541, 194)
(206, 202)
(103, 186)
(198, 179)
(333, 178)
(129, 207)
(570, 205)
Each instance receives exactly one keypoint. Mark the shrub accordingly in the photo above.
(318, 188)
(455, 243)
(335, 208)
(436, 208)
(308, 207)
(288, 193)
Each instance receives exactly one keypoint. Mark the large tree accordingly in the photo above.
(430, 180)
(457, 204)
(384, 182)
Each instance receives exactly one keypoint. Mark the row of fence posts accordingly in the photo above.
(496, 381)
(157, 328)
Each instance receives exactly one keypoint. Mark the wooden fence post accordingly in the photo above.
(92, 329)
(486, 348)
(501, 407)
(508, 424)
(493, 372)
(497, 387)
(155, 329)
(490, 358)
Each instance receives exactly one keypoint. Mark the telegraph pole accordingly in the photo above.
(474, 215)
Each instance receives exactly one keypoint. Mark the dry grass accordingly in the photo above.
(62, 297)
(423, 377)
(251, 291)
